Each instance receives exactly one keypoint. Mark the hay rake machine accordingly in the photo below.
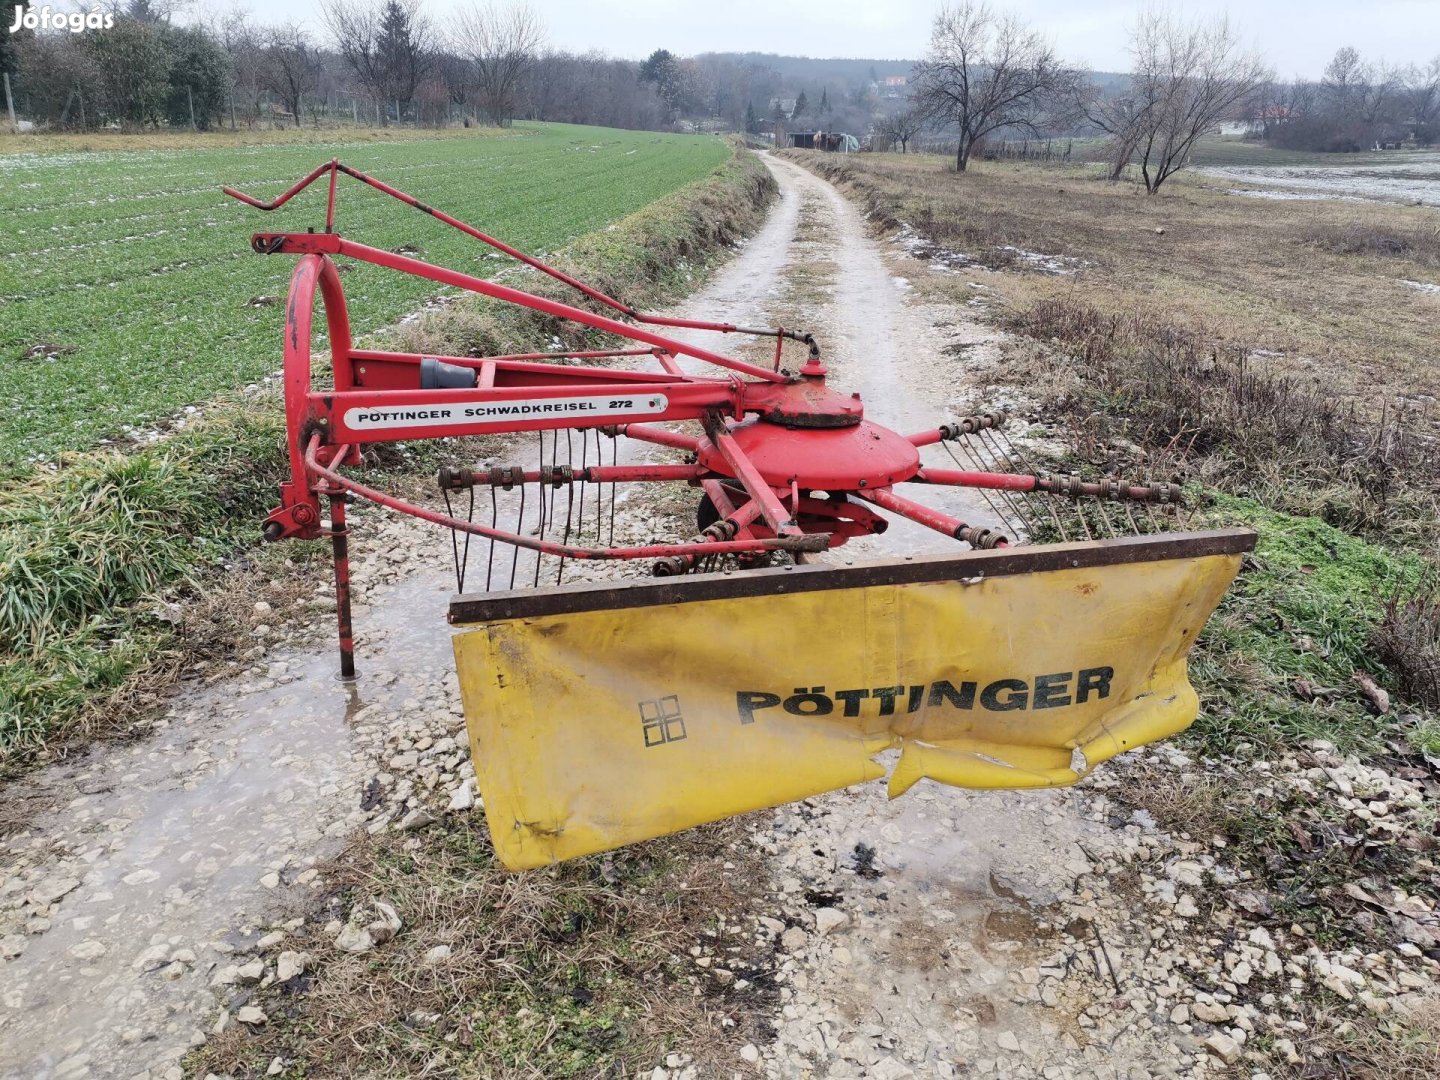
(745, 669)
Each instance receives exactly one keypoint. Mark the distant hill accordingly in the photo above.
(819, 72)
(851, 71)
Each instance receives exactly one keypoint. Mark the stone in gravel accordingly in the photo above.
(1186, 908)
(416, 819)
(277, 1066)
(52, 889)
(1208, 1013)
(463, 797)
(228, 975)
(269, 941)
(251, 1014)
(1223, 1047)
(87, 950)
(890, 1069)
(12, 945)
(289, 964)
(252, 972)
(437, 955)
(793, 939)
(1006, 1040)
(828, 919)
(750, 1052)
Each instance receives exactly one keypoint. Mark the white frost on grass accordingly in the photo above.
(1427, 287)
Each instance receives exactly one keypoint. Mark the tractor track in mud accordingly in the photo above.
(947, 933)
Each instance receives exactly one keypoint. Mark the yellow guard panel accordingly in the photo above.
(592, 729)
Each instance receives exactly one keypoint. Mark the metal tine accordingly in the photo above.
(1005, 509)
(600, 490)
(540, 508)
(614, 460)
(984, 493)
(1105, 515)
(569, 503)
(1005, 454)
(1023, 462)
(515, 549)
(494, 520)
(1134, 525)
(584, 461)
(454, 541)
(1014, 516)
(465, 557)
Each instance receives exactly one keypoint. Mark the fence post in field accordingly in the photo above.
(9, 99)
(190, 99)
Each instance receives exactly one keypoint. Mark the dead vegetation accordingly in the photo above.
(576, 971)
(1317, 283)
(1419, 245)
(1262, 431)
(1408, 640)
(1370, 1048)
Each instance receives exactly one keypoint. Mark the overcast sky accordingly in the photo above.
(1298, 36)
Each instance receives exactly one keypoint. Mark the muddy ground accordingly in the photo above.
(153, 892)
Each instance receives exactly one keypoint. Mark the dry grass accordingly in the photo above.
(1315, 282)
(1256, 430)
(577, 971)
(1398, 1047)
(1408, 641)
(118, 141)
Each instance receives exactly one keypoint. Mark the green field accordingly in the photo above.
(137, 271)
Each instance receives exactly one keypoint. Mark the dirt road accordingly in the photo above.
(948, 933)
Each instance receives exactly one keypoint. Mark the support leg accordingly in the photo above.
(340, 546)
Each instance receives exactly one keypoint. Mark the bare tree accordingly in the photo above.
(1120, 116)
(986, 71)
(1422, 96)
(1188, 74)
(502, 43)
(457, 75)
(292, 66)
(355, 26)
(902, 127)
(386, 43)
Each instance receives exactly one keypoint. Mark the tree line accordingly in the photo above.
(381, 62)
(989, 76)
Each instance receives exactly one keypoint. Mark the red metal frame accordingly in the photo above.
(771, 437)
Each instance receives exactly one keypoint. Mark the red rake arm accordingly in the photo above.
(335, 167)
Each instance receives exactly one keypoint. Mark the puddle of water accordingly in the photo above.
(251, 783)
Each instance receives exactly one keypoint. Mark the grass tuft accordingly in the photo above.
(83, 549)
(1276, 664)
